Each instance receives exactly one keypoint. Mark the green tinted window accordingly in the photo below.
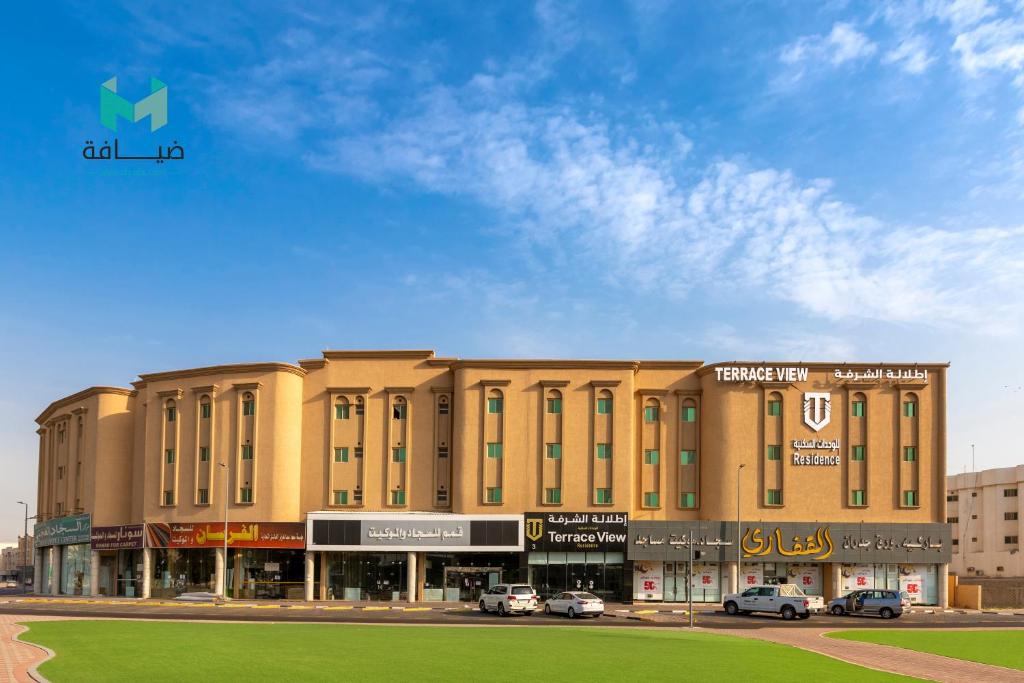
(341, 497)
(688, 500)
(687, 457)
(773, 497)
(689, 414)
(398, 454)
(494, 494)
(775, 452)
(341, 411)
(494, 405)
(554, 405)
(858, 408)
(857, 497)
(604, 451)
(650, 457)
(553, 496)
(604, 406)
(651, 414)
(651, 499)
(604, 496)
(775, 408)
(494, 450)
(858, 453)
(341, 454)
(555, 451)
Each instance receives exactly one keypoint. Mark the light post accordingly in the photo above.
(224, 568)
(739, 550)
(24, 547)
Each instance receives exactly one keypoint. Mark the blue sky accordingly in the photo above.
(804, 180)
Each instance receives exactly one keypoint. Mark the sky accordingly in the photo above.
(647, 179)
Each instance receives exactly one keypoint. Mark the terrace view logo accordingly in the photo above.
(817, 409)
(534, 529)
(153, 105)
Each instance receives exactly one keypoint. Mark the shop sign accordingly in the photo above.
(858, 577)
(704, 577)
(752, 575)
(577, 531)
(912, 582)
(414, 532)
(124, 537)
(670, 541)
(647, 580)
(807, 576)
(63, 531)
(239, 535)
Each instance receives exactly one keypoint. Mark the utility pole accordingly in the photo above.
(973, 469)
(224, 570)
(689, 581)
(24, 549)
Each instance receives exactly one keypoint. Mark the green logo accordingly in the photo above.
(153, 105)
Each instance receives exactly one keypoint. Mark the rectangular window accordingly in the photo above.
(357, 497)
(399, 411)
(858, 408)
(247, 452)
(245, 494)
(689, 414)
(953, 498)
(398, 454)
(204, 496)
(604, 406)
(651, 414)
(168, 497)
(341, 411)
(341, 454)
(1010, 540)
(773, 497)
(442, 452)
(204, 410)
(775, 452)
(555, 451)
(687, 457)
(650, 457)
(775, 408)
(910, 498)
(1009, 493)
(909, 409)
(169, 456)
(952, 520)
(494, 494)
(910, 453)
(398, 497)
(442, 408)
(651, 499)
(204, 454)
(360, 409)
(604, 451)
(857, 497)
(171, 414)
(553, 496)
(357, 452)
(494, 450)
(249, 407)
(341, 497)
(858, 453)
(688, 499)
(494, 405)
(554, 406)
(1010, 516)
(604, 496)
(442, 497)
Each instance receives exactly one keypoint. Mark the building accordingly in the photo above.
(387, 475)
(13, 558)
(986, 512)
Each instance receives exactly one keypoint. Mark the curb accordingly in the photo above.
(33, 671)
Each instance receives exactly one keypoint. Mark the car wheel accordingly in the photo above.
(501, 610)
(571, 613)
(805, 615)
(483, 607)
(838, 610)
(788, 613)
(885, 613)
(547, 609)
(732, 608)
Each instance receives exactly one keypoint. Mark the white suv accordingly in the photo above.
(508, 598)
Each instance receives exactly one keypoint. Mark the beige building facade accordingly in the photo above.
(403, 475)
(986, 512)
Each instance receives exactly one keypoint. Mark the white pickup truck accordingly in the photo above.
(786, 599)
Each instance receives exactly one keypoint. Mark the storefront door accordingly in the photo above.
(470, 582)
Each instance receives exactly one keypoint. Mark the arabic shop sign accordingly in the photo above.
(129, 536)
(832, 445)
(114, 106)
(670, 541)
(410, 531)
(437, 533)
(877, 375)
(576, 532)
(848, 543)
(63, 531)
(239, 535)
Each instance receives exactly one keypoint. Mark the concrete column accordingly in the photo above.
(218, 572)
(37, 572)
(310, 573)
(94, 574)
(943, 577)
(410, 575)
(734, 576)
(147, 572)
(837, 579)
(323, 578)
(54, 570)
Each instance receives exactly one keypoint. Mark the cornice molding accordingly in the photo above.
(171, 393)
(495, 382)
(670, 364)
(208, 389)
(348, 390)
(313, 363)
(442, 390)
(399, 390)
(81, 396)
(233, 369)
(546, 364)
(688, 392)
(422, 354)
(247, 386)
(605, 382)
(554, 383)
(770, 385)
(652, 392)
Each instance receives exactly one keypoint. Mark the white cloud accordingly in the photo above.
(992, 46)
(844, 43)
(911, 54)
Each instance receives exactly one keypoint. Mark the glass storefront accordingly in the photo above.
(465, 576)
(807, 576)
(44, 587)
(265, 573)
(75, 563)
(366, 576)
(705, 580)
(120, 573)
(185, 570)
(920, 581)
(599, 573)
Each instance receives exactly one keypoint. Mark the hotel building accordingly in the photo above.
(398, 475)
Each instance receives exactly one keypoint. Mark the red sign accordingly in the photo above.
(650, 585)
(240, 535)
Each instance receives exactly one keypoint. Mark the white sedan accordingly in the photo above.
(574, 604)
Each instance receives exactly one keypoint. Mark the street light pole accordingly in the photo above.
(739, 551)
(224, 569)
(972, 459)
(24, 547)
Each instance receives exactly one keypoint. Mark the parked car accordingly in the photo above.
(509, 598)
(574, 604)
(887, 604)
(785, 598)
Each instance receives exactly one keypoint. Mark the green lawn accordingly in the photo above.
(179, 651)
(1004, 648)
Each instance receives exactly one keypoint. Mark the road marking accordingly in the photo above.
(417, 609)
(340, 607)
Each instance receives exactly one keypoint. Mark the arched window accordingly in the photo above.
(652, 410)
(442, 405)
(554, 401)
(774, 404)
(360, 406)
(342, 408)
(689, 412)
(858, 405)
(205, 407)
(248, 404)
(399, 408)
(604, 402)
(495, 401)
(172, 410)
(910, 405)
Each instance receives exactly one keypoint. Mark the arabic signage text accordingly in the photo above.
(576, 531)
(410, 532)
(129, 536)
(63, 531)
(240, 535)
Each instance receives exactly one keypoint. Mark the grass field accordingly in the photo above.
(176, 651)
(1004, 647)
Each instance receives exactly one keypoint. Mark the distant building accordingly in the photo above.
(14, 557)
(986, 511)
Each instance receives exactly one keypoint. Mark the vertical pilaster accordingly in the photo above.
(94, 573)
(410, 574)
(147, 572)
(310, 570)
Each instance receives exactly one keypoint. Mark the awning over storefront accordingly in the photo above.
(410, 531)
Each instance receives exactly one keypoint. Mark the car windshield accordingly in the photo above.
(587, 596)
(522, 590)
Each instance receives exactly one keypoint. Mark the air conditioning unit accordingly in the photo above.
(970, 569)
(999, 569)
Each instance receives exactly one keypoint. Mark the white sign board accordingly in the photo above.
(647, 580)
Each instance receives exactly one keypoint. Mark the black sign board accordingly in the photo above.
(576, 531)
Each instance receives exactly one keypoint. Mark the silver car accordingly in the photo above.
(887, 604)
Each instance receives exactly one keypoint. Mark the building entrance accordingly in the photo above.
(466, 584)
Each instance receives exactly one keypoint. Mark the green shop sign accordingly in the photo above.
(63, 531)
